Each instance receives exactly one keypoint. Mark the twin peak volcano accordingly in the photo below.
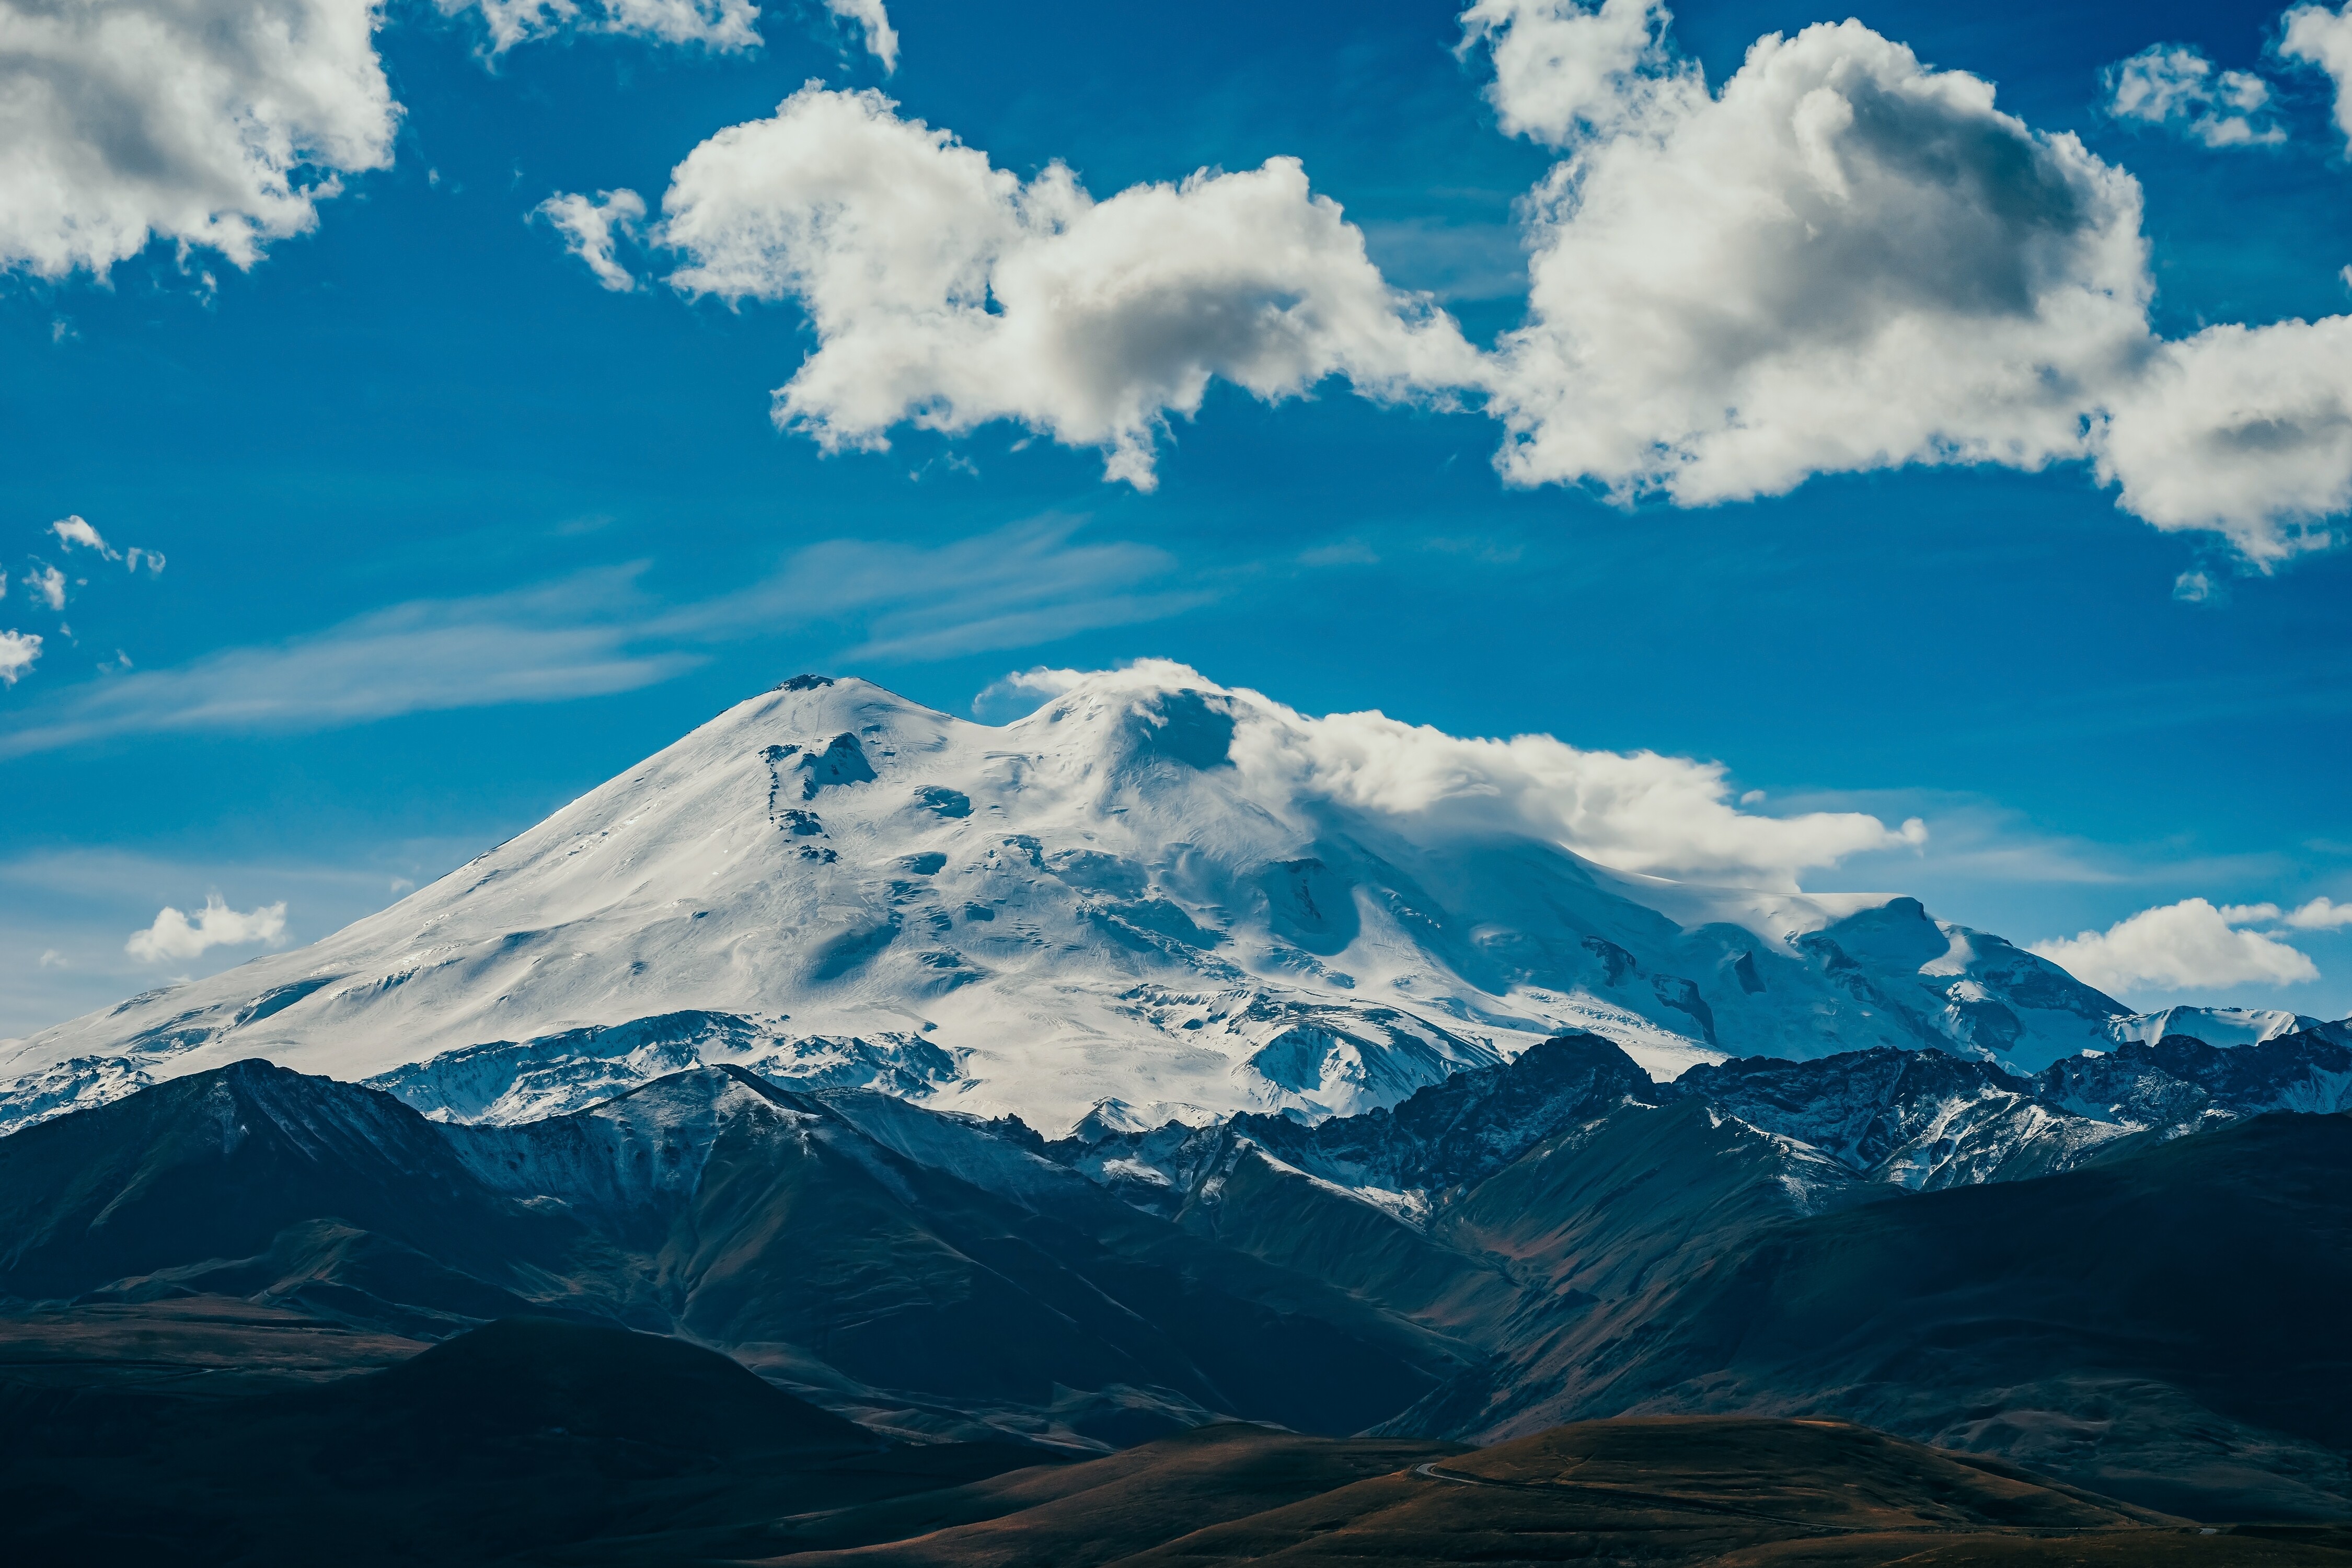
(1125, 905)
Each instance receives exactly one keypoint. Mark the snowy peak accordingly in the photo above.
(2214, 1026)
(1151, 890)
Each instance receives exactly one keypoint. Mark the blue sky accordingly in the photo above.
(453, 532)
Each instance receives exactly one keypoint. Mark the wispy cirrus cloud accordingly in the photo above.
(541, 645)
(599, 633)
(593, 227)
(1019, 586)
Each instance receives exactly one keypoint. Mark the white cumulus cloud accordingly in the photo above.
(547, 644)
(949, 293)
(2187, 946)
(18, 650)
(2245, 431)
(1842, 260)
(1839, 259)
(1562, 71)
(47, 585)
(2176, 87)
(593, 227)
(215, 123)
(175, 935)
(2314, 35)
(2319, 914)
(73, 530)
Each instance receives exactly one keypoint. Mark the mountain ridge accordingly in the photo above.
(1552, 1237)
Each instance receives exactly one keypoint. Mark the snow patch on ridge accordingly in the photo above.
(2214, 1026)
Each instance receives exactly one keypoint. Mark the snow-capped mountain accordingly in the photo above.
(1118, 898)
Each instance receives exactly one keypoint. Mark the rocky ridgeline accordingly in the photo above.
(1919, 1120)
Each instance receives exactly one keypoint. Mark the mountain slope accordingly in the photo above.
(2164, 1326)
(1013, 1295)
(539, 1442)
(1556, 1236)
(1130, 895)
(1584, 1251)
(234, 1165)
(525, 1440)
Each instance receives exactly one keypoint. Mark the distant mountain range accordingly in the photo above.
(2128, 1277)
(1117, 907)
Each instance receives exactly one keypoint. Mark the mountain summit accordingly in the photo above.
(1152, 897)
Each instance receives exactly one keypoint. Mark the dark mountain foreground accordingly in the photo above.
(713, 1319)
(509, 1443)
(2166, 1326)
(531, 1440)
(965, 1289)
